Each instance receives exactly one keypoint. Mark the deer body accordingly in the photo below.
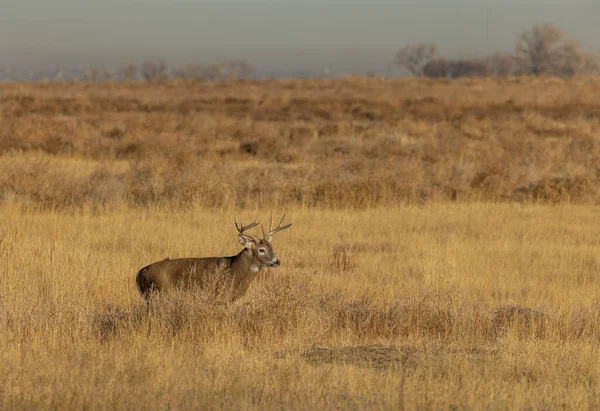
(236, 272)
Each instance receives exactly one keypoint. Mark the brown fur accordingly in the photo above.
(196, 272)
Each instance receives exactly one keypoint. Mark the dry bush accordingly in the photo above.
(283, 311)
(526, 320)
(115, 321)
(556, 190)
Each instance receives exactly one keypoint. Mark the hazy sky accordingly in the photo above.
(271, 34)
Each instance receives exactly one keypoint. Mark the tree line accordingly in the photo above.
(159, 70)
(545, 49)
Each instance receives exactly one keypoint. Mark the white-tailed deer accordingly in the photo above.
(237, 271)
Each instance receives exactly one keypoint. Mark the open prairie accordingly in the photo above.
(349, 143)
(444, 253)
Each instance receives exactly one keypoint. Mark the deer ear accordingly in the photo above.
(245, 241)
(269, 239)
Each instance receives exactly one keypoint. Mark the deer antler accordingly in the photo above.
(274, 230)
(243, 227)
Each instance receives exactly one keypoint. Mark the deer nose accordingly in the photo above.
(276, 263)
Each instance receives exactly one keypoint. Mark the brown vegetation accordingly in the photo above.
(545, 49)
(467, 306)
(351, 142)
(445, 251)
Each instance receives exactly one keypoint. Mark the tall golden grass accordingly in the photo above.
(444, 253)
(441, 306)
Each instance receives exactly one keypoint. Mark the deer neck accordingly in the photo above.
(244, 270)
(245, 265)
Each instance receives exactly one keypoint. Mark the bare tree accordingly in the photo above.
(546, 49)
(228, 70)
(149, 70)
(95, 74)
(190, 72)
(237, 69)
(91, 75)
(214, 72)
(415, 57)
(128, 72)
(247, 69)
(591, 63)
(154, 71)
(579, 63)
(162, 70)
(501, 64)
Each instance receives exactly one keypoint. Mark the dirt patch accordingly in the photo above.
(384, 357)
(370, 356)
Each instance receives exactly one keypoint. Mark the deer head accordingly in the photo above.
(261, 249)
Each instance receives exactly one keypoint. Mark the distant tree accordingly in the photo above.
(547, 49)
(149, 70)
(153, 71)
(91, 75)
(96, 74)
(581, 63)
(591, 63)
(239, 69)
(214, 72)
(443, 68)
(162, 70)
(128, 72)
(438, 68)
(468, 68)
(228, 70)
(190, 72)
(58, 75)
(501, 64)
(415, 57)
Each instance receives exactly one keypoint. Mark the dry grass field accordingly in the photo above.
(354, 142)
(444, 253)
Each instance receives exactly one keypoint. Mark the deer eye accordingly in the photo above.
(261, 250)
